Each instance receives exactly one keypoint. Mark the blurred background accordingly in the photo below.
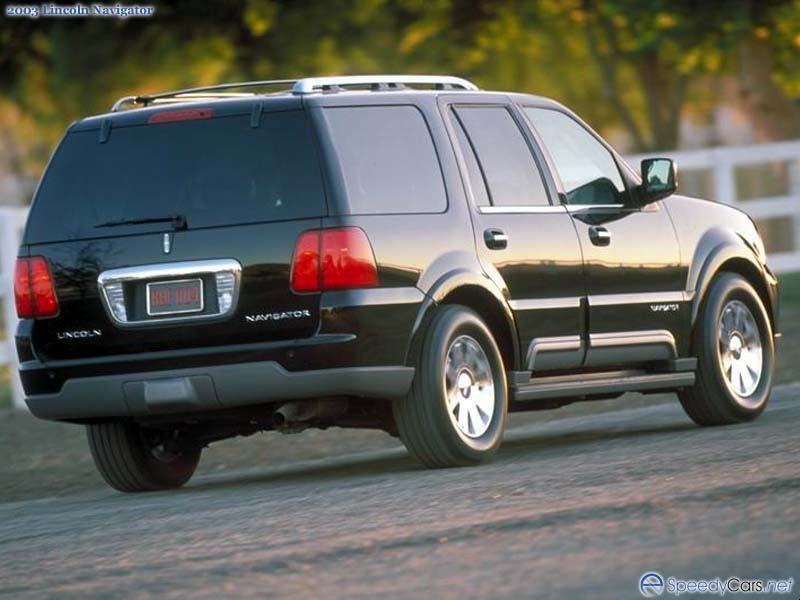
(714, 84)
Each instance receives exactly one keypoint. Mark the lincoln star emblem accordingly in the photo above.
(167, 243)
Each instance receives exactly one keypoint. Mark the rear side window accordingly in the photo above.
(511, 174)
(388, 160)
(476, 181)
(213, 172)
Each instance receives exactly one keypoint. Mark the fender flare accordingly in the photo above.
(443, 287)
(726, 246)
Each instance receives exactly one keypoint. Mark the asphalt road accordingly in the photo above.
(574, 508)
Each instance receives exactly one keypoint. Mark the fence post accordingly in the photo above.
(11, 221)
(724, 179)
(794, 192)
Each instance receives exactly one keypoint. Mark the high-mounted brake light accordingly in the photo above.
(189, 114)
(34, 291)
(333, 259)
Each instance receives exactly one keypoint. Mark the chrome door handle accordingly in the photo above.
(495, 239)
(600, 236)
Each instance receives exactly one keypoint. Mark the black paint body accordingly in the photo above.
(550, 281)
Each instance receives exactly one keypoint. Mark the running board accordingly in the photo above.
(598, 384)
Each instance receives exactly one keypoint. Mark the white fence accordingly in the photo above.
(12, 220)
(721, 163)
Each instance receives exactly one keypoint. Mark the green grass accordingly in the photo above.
(5, 389)
(789, 325)
(790, 290)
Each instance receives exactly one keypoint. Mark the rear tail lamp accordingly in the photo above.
(333, 259)
(34, 291)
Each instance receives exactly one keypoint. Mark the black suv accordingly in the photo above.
(397, 252)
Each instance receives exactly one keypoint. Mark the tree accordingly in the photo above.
(622, 64)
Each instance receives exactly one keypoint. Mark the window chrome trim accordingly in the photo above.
(549, 208)
(578, 207)
(559, 208)
(175, 270)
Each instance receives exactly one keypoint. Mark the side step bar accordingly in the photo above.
(598, 384)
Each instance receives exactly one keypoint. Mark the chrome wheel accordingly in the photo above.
(740, 351)
(469, 387)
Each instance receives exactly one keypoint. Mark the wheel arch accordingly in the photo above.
(729, 254)
(480, 294)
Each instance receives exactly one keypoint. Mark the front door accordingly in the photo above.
(525, 243)
(637, 304)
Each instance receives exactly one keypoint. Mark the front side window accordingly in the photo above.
(388, 160)
(587, 169)
(505, 160)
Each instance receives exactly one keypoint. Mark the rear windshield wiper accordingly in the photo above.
(178, 221)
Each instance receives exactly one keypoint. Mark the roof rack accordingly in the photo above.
(197, 93)
(378, 82)
(300, 86)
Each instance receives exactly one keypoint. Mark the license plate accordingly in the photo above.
(175, 297)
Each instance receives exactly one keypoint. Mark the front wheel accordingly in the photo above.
(133, 459)
(456, 410)
(736, 355)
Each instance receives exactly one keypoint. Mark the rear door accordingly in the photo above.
(637, 306)
(524, 241)
(177, 231)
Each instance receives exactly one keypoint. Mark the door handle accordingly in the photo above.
(599, 236)
(495, 239)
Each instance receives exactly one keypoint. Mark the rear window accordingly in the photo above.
(213, 172)
(388, 160)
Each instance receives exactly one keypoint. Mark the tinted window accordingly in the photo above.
(214, 172)
(476, 181)
(511, 174)
(586, 168)
(388, 160)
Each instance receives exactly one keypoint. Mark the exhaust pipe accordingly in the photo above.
(303, 411)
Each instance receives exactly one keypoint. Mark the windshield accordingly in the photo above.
(209, 172)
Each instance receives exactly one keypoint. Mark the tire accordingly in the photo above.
(732, 324)
(457, 362)
(130, 463)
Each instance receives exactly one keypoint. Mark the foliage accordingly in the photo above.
(631, 65)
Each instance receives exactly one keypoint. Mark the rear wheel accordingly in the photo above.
(736, 355)
(133, 459)
(455, 413)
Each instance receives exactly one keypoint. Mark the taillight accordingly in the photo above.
(333, 259)
(305, 266)
(189, 114)
(34, 291)
(22, 289)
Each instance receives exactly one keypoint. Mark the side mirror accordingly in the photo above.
(659, 179)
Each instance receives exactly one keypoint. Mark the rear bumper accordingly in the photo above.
(212, 388)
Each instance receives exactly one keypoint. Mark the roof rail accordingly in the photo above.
(314, 84)
(299, 86)
(197, 92)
